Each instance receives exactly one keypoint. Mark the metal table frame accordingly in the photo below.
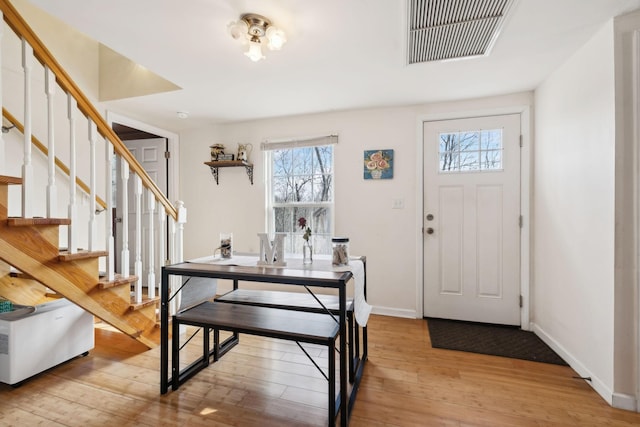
(265, 274)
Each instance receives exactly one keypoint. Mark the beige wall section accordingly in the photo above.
(120, 77)
(390, 238)
(77, 53)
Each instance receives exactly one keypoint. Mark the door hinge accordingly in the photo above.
(521, 221)
(520, 301)
(167, 154)
(521, 143)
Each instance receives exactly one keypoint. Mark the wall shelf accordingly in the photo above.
(214, 166)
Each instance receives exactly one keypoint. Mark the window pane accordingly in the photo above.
(281, 162)
(449, 162)
(302, 178)
(280, 189)
(449, 142)
(492, 139)
(302, 189)
(492, 159)
(323, 160)
(469, 141)
(303, 161)
(469, 161)
(322, 191)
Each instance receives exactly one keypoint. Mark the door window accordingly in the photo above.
(478, 150)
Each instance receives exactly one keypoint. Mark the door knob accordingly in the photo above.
(429, 230)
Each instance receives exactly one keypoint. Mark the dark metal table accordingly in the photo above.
(264, 274)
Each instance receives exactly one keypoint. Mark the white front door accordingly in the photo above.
(472, 219)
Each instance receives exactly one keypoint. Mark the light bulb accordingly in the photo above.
(238, 29)
(255, 51)
(276, 38)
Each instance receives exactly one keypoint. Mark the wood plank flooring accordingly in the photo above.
(265, 382)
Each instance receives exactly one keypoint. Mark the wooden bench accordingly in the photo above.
(291, 325)
(299, 301)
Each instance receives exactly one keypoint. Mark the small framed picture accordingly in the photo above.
(378, 164)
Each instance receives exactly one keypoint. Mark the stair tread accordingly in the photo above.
(17, 222)
(8, 180)
(81, 254)
(119, 280)
(146, 302)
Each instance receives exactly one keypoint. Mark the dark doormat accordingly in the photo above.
(496, 340)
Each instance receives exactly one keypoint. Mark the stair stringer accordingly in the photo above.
(27, 250)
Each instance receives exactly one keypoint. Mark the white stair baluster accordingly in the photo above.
(109, 244)
(151, 266)
(174, 281)
(52, 196)
(27, 166)
(161, 253)
(178, 244)
(138, 247)
(182, 220)
(93, 226)
(124, 202)
(72, 243)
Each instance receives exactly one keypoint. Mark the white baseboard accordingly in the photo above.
(394, 312)
(625, 401)
(599, 386)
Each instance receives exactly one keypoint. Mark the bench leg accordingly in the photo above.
(216, 345)
(175, 355)
(350, 327)
(332, 384)
(205, 346)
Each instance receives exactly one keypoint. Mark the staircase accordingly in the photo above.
(33, 268)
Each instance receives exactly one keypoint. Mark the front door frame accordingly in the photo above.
(525, 206)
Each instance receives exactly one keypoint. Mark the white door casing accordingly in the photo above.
(472, 257)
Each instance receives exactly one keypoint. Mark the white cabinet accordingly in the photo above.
(33, 342)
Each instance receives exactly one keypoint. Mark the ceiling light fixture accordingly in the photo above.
(254, 30)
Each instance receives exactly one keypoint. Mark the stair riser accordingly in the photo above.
(4, 199)
(22, 291)
(38, 242)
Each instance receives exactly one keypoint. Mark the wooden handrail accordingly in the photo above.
(40, 146)
(42, 54)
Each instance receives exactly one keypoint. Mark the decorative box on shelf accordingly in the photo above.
(214, 165)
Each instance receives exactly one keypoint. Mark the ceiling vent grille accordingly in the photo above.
(453, 29)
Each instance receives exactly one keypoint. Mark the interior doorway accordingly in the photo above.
(149, 150)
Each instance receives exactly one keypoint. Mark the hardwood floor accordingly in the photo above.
(265, 382)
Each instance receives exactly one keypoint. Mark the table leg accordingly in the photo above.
(164, 333)
(344, 397)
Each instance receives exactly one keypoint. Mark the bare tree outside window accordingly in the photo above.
(471, 151)
(302, 186)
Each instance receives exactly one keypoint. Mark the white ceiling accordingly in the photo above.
(340, 54)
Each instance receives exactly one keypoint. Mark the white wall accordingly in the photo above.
(390, 238)
(574, 171)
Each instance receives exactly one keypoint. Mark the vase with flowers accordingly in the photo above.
(307, 249)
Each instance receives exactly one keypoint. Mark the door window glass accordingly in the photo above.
(471, 151)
